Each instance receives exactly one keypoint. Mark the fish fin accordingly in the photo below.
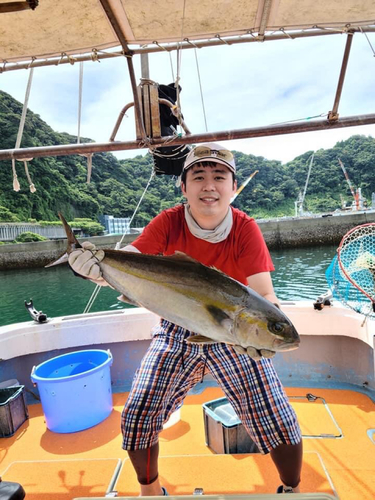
(219, 316)
(200, 339)
(73, 244)
(60, 260)
(218, 270)
(126, 299)
(182, 256)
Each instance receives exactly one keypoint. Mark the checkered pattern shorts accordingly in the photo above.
(172, 366)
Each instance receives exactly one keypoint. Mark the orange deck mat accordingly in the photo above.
(63, 479)
(349, 461)
(314, 418)
(224, 474)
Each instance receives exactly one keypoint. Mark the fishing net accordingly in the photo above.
(351, 274)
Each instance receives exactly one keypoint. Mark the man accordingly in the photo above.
(208, 229)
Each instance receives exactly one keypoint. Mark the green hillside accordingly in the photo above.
(116, 186)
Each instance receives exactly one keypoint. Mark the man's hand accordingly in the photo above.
(85, 261)
(254, 353)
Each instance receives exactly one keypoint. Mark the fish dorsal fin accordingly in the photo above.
(183, 257)
(218, 270)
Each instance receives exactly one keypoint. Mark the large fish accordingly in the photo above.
(201, 299)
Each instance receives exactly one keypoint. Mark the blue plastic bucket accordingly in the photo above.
(75, 389)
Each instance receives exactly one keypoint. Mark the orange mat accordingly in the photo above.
(314, 418)
(349, 461)
(224, 474)
(63, 479)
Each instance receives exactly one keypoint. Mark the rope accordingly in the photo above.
(80, 93)
(372, 48)
(302, 119)
(89, 167)
(92, 299)
(118, 244)
(200, 87)
(31, 185)
(80, 101)
(171, 63)
(96, 291)
(179, 55)
(16, 184)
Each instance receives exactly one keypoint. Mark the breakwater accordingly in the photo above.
(278, 233)
(311, 231)
(10, 231)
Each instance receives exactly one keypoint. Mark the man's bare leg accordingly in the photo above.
(288, 461)
(145, 463)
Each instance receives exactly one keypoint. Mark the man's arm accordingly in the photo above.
(262, 284)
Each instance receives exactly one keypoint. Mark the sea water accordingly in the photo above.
(299, 275)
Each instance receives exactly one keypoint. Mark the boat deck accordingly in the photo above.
(339, 439)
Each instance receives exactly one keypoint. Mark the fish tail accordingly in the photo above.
(73, 243)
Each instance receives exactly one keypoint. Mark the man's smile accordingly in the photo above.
(208, 199)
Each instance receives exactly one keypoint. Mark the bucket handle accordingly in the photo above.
(31, 375)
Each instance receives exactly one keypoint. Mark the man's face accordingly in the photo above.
(208, 190)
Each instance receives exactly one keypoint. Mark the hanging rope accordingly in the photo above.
(80, 101)
(92, 299)
(170, 57)
(16, 184)
(179, 55)
(171, 63)
(200, 87)
(31, 184)
(96, 291)
(118, 244)
(89, 167)
(371, 47)
(80, 92)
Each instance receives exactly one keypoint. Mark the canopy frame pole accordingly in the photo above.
(129, 58)
(271, 130)
(334, 115)
(264, 18)
(96, 55)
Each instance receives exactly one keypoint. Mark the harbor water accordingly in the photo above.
(299, 275)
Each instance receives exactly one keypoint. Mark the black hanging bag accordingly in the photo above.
(169, 160)
(11, 491)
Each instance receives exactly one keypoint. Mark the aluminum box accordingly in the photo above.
(224, 431)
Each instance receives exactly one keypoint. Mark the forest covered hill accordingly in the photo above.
(117, 185)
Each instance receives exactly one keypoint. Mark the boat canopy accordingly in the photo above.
(46, 32)
(50, 29)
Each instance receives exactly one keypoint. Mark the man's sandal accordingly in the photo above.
(284, 489)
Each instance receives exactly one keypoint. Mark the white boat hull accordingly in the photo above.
(337, 347)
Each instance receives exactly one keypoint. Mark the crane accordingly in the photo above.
(357, 196)
(301, 198)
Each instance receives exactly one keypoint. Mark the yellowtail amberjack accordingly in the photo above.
(205, 301)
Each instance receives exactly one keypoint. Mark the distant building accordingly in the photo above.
(115, 225)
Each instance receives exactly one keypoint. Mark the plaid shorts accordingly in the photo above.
(172, 366)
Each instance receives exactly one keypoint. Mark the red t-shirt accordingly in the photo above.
(242, 254)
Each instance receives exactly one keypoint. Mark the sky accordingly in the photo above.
(243, 86)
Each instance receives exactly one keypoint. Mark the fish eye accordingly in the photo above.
(276, 328)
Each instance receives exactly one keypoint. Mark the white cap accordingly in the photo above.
(210, 151)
